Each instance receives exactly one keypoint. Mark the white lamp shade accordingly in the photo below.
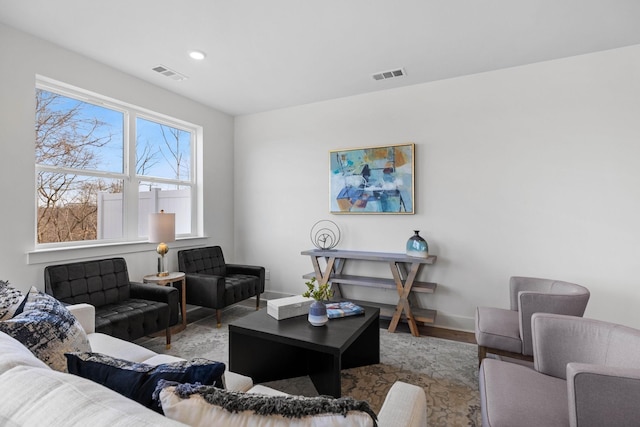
(162, 227)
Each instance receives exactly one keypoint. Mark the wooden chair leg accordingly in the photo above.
(168, 338)
(258, 302)
(219, 317)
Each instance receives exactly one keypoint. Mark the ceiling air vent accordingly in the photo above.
(166, 71)
(383, 75)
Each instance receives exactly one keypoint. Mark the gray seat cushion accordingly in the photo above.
(509, 392)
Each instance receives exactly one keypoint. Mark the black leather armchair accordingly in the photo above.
(124, 309)
(215, 284)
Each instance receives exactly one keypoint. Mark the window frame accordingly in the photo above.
(130, 179)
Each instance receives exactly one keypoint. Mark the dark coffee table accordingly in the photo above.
(267, 349)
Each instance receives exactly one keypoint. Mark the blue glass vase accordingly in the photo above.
(318, 314)
(417, 246)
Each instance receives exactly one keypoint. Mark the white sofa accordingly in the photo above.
(34, 395)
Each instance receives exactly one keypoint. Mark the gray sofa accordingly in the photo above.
(586, 373)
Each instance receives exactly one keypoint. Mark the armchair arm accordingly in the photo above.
(166, 294)
(603, 395)
(559, 340)
(404, 406)
(206, 290)
(86, 315)
(252, 270)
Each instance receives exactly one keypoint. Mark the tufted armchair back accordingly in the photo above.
(207, 260)
(97, 283)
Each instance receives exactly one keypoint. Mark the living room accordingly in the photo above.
(523, 171)
(526, 170)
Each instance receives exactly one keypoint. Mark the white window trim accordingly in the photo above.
(131, 242)
(91, 251)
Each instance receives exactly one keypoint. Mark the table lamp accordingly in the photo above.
(162, 230)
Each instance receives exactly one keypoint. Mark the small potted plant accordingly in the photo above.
(320, 293)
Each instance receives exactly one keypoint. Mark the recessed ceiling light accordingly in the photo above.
(197, 54)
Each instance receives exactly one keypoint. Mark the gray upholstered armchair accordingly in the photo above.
(508, 332)
(213, 283)
(586, 373)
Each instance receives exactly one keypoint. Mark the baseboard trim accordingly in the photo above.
(271, 295)
(434, 331)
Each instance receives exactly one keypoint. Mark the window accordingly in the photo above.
(102, 166)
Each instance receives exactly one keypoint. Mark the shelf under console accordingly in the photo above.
(404, 270)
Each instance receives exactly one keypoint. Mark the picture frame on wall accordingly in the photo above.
(373, 180)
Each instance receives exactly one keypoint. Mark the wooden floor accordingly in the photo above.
(433, 331)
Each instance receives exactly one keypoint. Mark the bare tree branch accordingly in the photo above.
(66, 137)
(172, 144)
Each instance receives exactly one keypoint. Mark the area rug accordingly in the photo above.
(446, 370)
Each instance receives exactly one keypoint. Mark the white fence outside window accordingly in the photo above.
(110, 210)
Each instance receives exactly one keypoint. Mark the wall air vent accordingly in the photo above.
(383, 75)
(166, 71)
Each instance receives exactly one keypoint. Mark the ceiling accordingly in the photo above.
(264, 55)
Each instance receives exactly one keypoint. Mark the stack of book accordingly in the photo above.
(343, 309)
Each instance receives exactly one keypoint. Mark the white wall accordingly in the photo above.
(532, 170)
(22, 57)
(529, 171)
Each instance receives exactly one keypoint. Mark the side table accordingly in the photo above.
(167, 280)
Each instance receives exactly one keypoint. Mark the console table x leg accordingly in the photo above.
(323, 277)
(403, 298)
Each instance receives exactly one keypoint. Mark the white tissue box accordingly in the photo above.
(284, 308)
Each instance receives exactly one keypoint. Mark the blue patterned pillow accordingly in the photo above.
(48, 329)
(137, 381)
(10, 300)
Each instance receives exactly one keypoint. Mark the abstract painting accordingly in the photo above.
(373, 180)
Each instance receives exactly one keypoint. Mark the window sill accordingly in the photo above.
(72, 253)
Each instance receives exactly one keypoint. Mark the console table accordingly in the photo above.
(404, 270)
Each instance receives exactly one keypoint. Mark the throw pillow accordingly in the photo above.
(48, 329)
(199, 405)
(10, 300)
(138, 381)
